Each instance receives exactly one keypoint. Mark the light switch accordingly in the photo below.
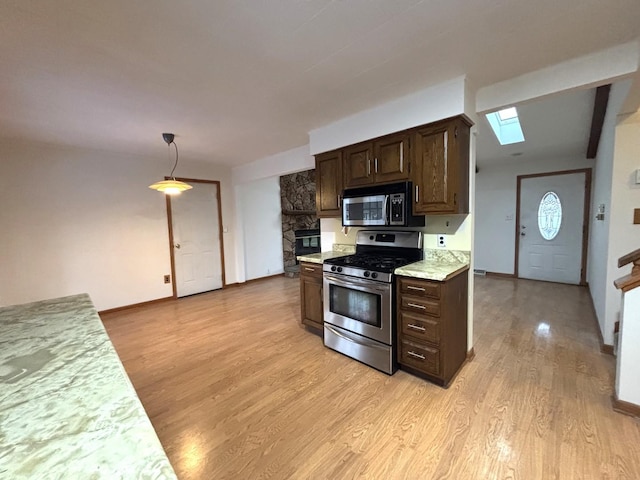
(638, 176)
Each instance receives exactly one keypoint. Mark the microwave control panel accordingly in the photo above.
(397, 208)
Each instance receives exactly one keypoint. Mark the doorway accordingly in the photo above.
(195, 239)
(552, 214)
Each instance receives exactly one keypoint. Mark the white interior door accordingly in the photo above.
(551, 227)
(196, 240)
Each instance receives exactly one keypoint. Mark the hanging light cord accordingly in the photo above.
(175, 164)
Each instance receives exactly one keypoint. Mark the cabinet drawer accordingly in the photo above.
(420, 327)
(420, 305)
(313, 269)
(420, 356)
(420, 287)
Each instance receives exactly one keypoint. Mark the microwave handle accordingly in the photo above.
(385, 209)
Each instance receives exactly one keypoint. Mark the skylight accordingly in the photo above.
(506, 125)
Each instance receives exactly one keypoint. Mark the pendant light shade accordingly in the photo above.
(171, 186)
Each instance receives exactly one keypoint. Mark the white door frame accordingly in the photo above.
(170, 222)
(585, 220)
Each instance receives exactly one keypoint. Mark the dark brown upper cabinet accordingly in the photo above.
(435, 157)
(391, 158)
(382, 161)
(441, 167)
(358, 168)
(329, 184)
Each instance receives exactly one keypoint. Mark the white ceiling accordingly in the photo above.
(557, 127)
(237, 80)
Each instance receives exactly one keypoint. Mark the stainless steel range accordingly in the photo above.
(359, 296)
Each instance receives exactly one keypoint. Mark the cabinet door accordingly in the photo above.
(391, 158)
(311, 300)
(358, 168)
(432, 178)
(441, 164)
(329, 184)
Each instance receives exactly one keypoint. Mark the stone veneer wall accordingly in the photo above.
(297, 194)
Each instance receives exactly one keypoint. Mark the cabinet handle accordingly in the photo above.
(401, 157)
(368, 167)
(416, 327)
(310, 269)
(375, 163)
(339, 201)
(455, 198)
(417, 192)
(415, 355)
(415, 305)
(411, 287)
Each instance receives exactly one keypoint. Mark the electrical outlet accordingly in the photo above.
(167, 279)
(440, 240)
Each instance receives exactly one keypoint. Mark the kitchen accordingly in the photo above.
(358, 312)
(234, 386)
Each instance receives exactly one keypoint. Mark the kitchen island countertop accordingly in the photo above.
(438, 265)
(68, 408)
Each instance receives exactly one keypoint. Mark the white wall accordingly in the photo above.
(258, 204)
(624, 236)
(434, 103)
(496, 195)
(600, 276)
(247, 262)
(76, 220)
(283, 163)
(627, 384)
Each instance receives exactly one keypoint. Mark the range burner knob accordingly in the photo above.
(374, 275)
(367, 273)
(339, 269)
(333, 268)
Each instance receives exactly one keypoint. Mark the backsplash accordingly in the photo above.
(455, 227)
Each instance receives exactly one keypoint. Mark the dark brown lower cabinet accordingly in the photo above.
(311, 295)
(432, 326)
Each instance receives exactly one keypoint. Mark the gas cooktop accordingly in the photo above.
(378, 254)
(379, 263)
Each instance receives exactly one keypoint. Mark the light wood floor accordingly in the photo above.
(236, 389)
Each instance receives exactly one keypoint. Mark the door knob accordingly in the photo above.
(177, 245)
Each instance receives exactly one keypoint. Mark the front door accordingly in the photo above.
(196, 245)
(551, 226)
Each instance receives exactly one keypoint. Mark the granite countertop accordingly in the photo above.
(437, 265)
(67, 407)
(339, 250)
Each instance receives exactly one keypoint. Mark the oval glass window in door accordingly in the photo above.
(549, 216)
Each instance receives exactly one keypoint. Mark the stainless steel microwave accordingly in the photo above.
(380, 205)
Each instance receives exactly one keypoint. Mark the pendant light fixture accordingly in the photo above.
(171, 186)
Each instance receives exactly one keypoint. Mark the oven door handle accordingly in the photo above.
(357, 282)
(358, 340)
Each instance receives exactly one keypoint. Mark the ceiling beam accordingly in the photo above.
(597, 120)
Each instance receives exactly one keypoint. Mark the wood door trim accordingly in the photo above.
(220, 236)
(585, 217)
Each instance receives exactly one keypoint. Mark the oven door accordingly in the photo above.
(359, 306)
(365, 211)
